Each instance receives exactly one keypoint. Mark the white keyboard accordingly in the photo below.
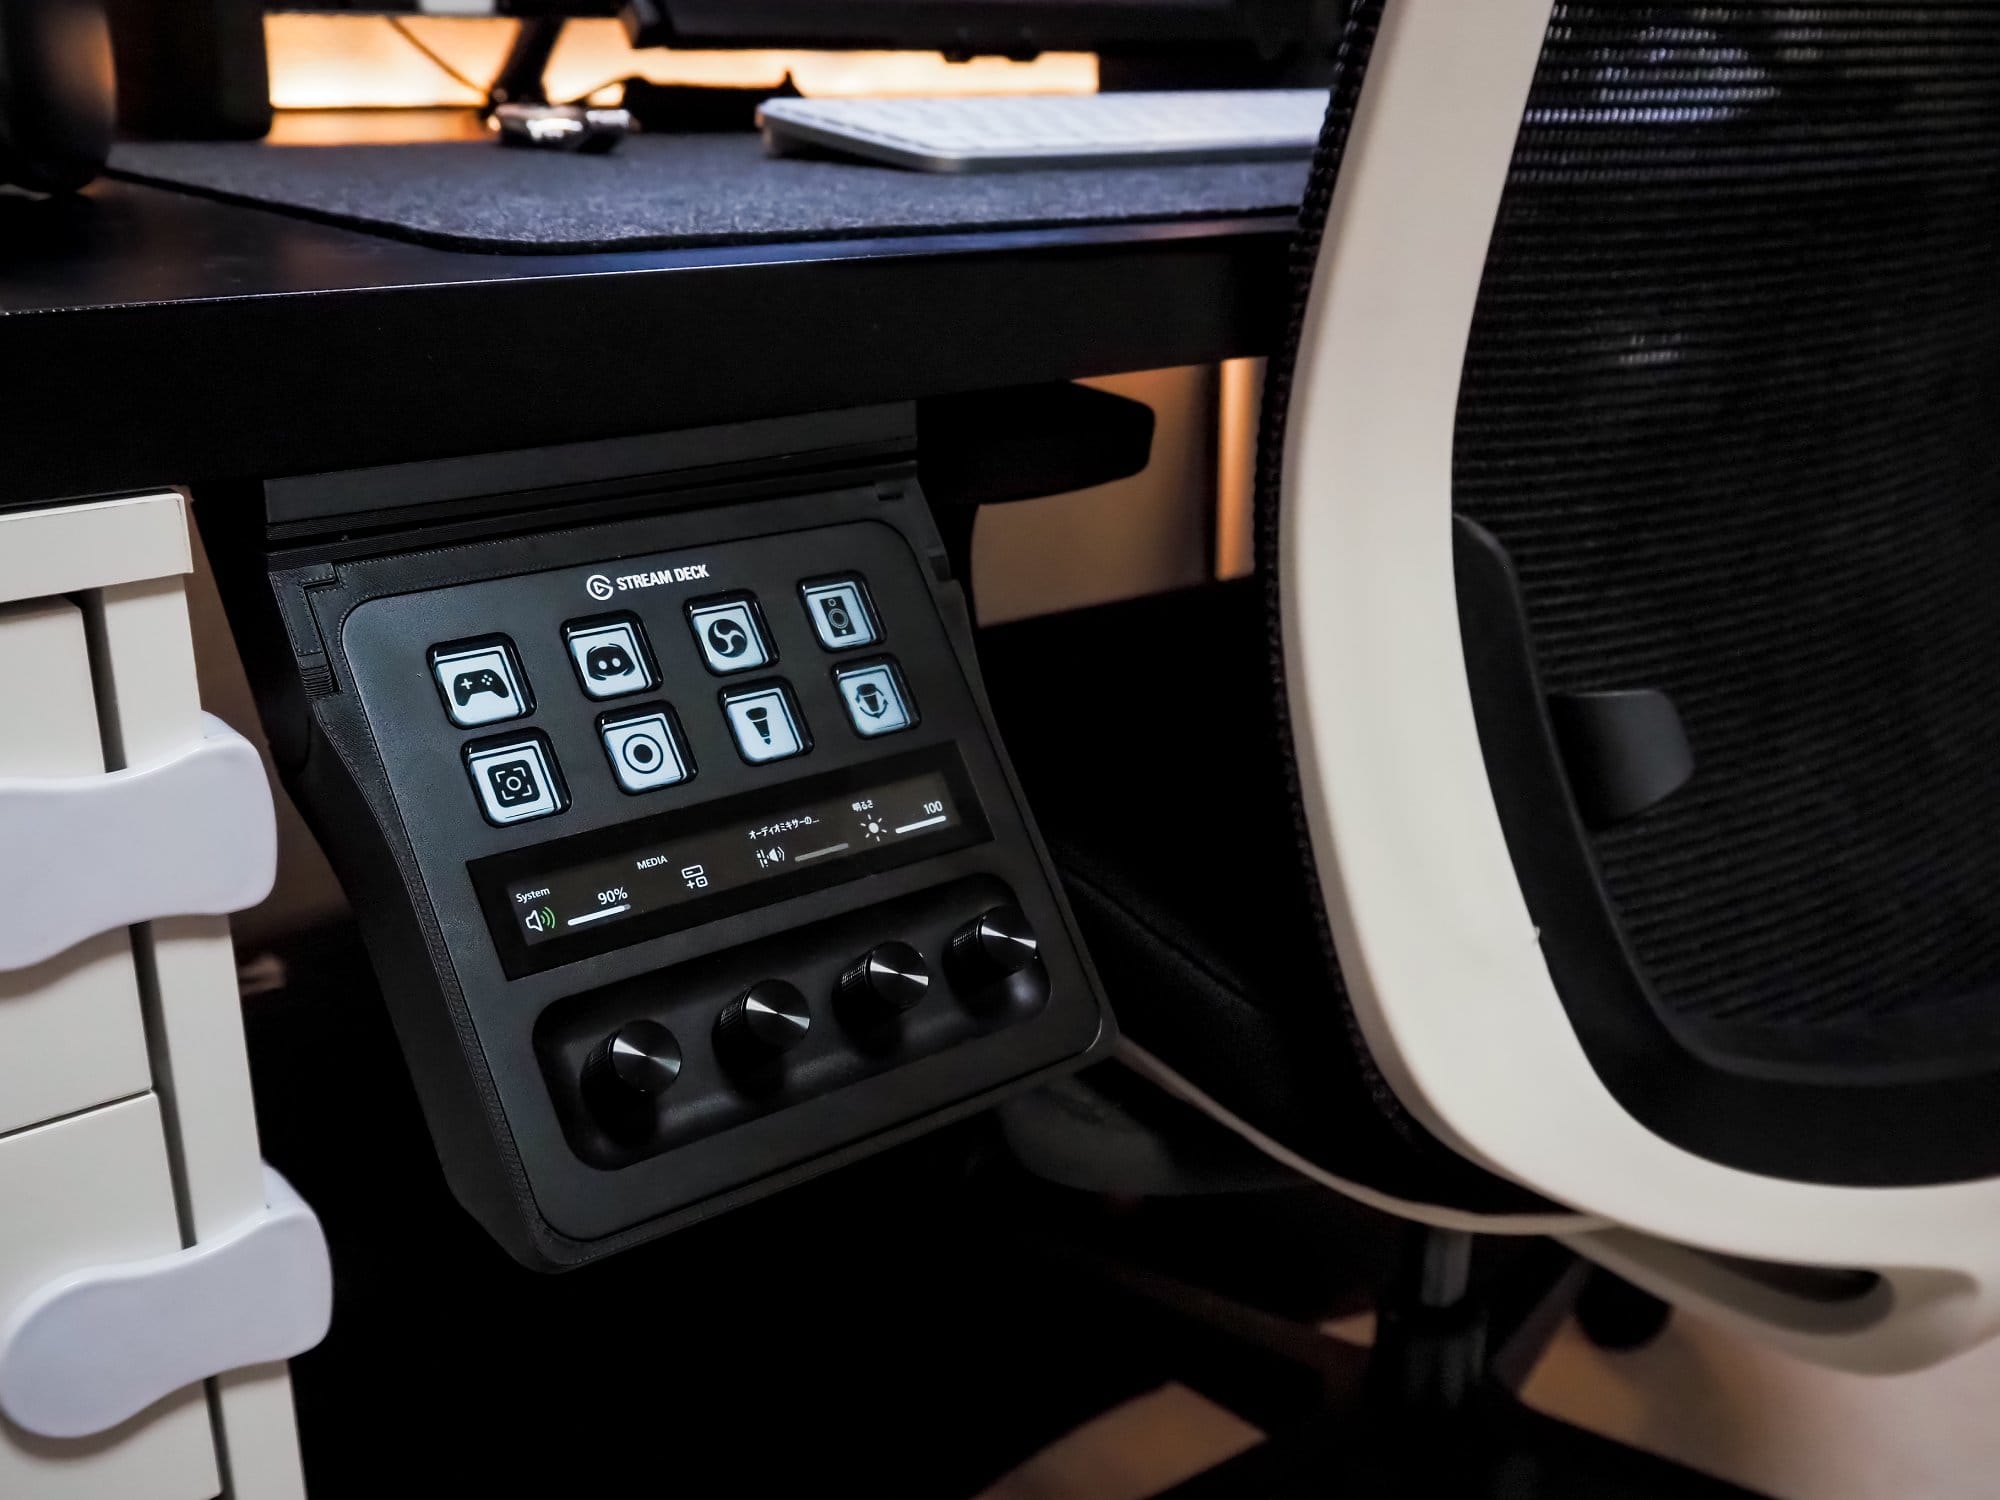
(1004, 133)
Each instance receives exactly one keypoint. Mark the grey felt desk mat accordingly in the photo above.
(659, 192)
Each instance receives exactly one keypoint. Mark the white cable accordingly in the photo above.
(1149, 1067)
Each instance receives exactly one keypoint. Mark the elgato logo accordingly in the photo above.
(599, 586)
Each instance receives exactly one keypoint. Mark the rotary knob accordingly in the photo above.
(991, 949)
(762, 1024)
(880, 985)
(627, 1072)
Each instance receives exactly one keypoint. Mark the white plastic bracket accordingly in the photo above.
(97, 1346)
(194, 835)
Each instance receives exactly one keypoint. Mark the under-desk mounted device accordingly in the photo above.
(665, 791)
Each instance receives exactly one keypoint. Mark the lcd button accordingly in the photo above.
(515, 779)
(876, 701)
(610, 656)
(481, 681)
(840, 613)
(644, 749)
(764, 722)
(730, 633)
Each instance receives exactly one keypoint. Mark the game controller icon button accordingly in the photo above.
(485, 680)
(481, 681)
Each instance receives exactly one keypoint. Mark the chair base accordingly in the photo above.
(1502, 1450)
(1430, 1409)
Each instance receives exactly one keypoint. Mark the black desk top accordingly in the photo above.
(677, 192)
(153, 337)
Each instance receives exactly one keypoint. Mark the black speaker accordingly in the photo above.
(192, 70)
(57, 101)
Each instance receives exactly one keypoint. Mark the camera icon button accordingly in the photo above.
(841, 613)
(645, 748)
(515, 778)
(611, 655)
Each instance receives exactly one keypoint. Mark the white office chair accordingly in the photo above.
(1724, 384)
(1629, 511)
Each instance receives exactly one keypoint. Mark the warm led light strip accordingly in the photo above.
(332, 62)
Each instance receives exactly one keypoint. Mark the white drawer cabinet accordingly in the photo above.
(71, 1031)
(126, 1128)
(90, 1190)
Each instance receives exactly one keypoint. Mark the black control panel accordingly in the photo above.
(685, 847)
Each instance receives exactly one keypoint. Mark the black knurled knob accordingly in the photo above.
(627, 1072)
(762, 1024)
(880, 985)
(991, 948)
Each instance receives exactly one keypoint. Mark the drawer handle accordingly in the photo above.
(96, 1346)
(193, 835)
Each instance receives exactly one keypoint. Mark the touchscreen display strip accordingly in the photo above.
(562, 901)
(668, 871)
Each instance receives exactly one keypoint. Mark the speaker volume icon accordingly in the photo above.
(760, 720)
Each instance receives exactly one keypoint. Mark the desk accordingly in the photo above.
(153, 337)
(156, 338)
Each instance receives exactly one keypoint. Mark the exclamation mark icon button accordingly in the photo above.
(765, 723)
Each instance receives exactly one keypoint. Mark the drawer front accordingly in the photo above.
(71, 1033)
(90, 1190)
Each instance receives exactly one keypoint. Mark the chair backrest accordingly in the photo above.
(1654, 350)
